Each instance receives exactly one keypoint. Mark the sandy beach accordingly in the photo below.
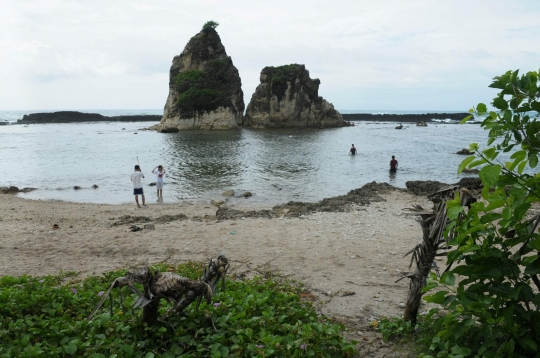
(350, 260)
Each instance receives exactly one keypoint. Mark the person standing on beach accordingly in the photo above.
(160, 173)
(136, 178)
(353, 150)
(393, 164)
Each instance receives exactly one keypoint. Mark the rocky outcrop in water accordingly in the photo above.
(74, 117)
(205, 91)
(422, 118)
(288, 97)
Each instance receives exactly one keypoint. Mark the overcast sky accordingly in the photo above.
(385, 54)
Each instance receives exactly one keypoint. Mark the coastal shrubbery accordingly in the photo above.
(46, 316)
(490, 290)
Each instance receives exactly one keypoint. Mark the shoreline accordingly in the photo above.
(86, 117)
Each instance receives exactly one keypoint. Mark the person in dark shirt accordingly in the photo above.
(353, 150)
(393, 164)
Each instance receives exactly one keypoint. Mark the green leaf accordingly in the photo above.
(533, 161)
(448, 278)
(465, 162)
(149, 355)
(490, 153)
(127, 349)
(464, 120)
(535, 106)
(521, 166)
(533, 268)
(500, 103)
(489, 175)
(430, 285)
(70, 348)
(528, 343)
(454, 212)
(481, 108)
(437, 297)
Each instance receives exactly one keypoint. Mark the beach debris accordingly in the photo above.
(76, 187)
(123, 129)
(247, 194)
(56, 227)
(347, 293)
(421, 124)
(134, 228)
(152, 184)
(135, 133)
(399, 127)
(95, 186)
(149, 227)
(229, 192)
(178, 290)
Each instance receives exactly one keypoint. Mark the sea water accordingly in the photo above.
(277, 165)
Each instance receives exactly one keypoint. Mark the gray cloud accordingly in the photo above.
(419, 54)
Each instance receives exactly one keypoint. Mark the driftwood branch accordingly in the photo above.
(174, 288)
(433, 224)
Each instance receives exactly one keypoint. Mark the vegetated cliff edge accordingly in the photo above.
(73, 116)
(205, 90)
(403, 117)
(288, 97)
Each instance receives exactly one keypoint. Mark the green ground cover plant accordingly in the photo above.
(262, 317)
(490, 290)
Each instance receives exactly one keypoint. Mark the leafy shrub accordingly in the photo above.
(210, 25)
(259, 317)
(491, 296)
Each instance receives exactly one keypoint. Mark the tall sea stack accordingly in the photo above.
(205, 91)
(288, 97)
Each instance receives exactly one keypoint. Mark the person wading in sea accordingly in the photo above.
(136, 178)
(393, 164)
(353, 150)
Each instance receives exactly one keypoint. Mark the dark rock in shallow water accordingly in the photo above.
(288, 97)
(73, 117)
(169, 130)
(402, 118)
(76, 187)
(424, 187)
(95, 186)
(14, 190)
(471, 183)
(464, 152)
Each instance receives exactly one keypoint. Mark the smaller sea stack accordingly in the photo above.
(288, 97)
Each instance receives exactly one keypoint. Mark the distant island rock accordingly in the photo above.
(74, 117)
(288, 97)
(418, 118)
(205, 90)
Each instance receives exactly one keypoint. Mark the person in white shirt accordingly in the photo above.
(160, 173)
(136, 178)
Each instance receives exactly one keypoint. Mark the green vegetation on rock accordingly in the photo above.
(264, 317)
(210, 25)
(196, 89)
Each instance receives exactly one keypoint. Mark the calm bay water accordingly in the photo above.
(275, 165)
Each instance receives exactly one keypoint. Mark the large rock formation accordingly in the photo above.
(288, 97)
(205, 91)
